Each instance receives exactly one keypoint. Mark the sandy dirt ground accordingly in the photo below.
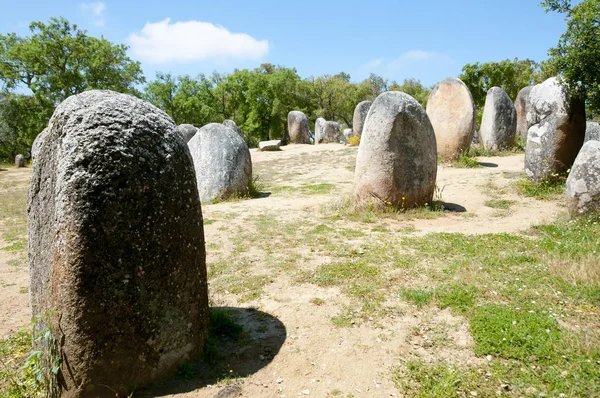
(293, 349)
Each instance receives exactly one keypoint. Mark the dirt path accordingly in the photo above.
(262, 245)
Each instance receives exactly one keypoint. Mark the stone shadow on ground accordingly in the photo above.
(261, 195)
(453, 207)
(227, 357)
(487, 164)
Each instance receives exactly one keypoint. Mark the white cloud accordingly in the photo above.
(94, 10)
(164, 42)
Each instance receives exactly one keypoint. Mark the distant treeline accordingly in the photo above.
(58, 60)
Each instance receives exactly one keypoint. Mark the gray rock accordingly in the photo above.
(348, 133)
(396, 164)
(231, 124)
(556, 130)
(330, 133)
(298, 128)
(319, 125)
(475, 139)
(452, 112)
(521, 106)
(37, 143)
(359, 117)
(222, 162)
(19, 161)
(499, 122)
(187, 131)
(592, 131)
(583, 183)
(116, 245)
(272, 145)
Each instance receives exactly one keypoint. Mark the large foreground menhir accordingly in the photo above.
(116, 245)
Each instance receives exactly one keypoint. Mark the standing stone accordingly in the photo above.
(116, 245)
(37, 143)
(521, 106)
(360, 115)
(19, 161)
(330, 133)
(187, 131)
(592, 131)
(272, 145)
(556, 130)
(298, 128)
(222, 162)
(319, 125)
(452, 112)
(348, 133)
(231, 124)
(583, 183)
(396, 162)
(499, 122)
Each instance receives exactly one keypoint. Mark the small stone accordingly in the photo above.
(279, 381)
(473, 393)
(306, 392)
(489, 358)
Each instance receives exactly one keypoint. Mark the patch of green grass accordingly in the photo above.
(505, 332)
(418, 297)
(547, 189)
(342, 321)
(460, 297)
(419, 379)
(316, 189)
(317, 301)
(499, 203)
(224, 329)
(466, 160)
(15, 247)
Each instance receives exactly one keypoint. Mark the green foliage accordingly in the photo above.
(523, 335)
(512, 76)
(546, 189)
(457, 296)
(414, 88)
(418, 297)
(577, 53)
(55, 62)
(34, 375)
(466, 160)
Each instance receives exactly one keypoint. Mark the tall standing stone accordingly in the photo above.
(330, 132)
(116, 245)
(298, 128)
(556, 130)
(499, 122)
(521, 106)
(187, 131)
(452, 112)
(583, 184)
(396, 164)
(319, 125)
(222, 162)
(232, 125)
(37, 143)
(19, 161)
(592, 131)
(359, 117)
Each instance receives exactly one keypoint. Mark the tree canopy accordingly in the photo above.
(577, 55)
(39, 71)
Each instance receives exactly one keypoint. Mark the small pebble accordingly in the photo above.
(279, 381)
(306, 392)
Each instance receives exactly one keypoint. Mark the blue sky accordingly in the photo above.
(428, 39)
